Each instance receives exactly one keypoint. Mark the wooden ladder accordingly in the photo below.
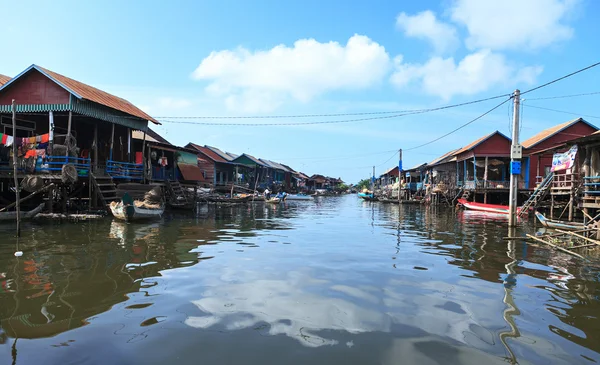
(105, 188)
(538, 195)
(177, 195)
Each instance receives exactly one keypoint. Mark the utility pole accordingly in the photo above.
(399, 175)
(515, 162)
(373, 182)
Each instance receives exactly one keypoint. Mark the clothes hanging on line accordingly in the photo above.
(6, 140)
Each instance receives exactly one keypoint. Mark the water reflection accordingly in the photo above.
(331, 281)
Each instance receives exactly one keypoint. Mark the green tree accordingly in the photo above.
(363, 184)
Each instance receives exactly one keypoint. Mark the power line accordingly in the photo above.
(460, 127)
(408, 112)
(561, 78)
(565, 96)
(336, 114)
(561, 111)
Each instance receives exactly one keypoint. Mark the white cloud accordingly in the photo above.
(475, 73)
(263, 80)
(425, 25)
(513, 24)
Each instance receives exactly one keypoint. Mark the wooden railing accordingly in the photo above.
(124, 170)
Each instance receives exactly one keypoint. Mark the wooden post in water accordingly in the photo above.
(143, 164)
(68, 138)
(485, 178)
(14, 149)
(95, 148)
(112, 142)
(399, 176)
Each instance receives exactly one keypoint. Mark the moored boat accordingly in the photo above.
(129, 210)
(491, 208)
(273, 200)
(367, 196)
(11, 216)
(299, 197)
(556, 224)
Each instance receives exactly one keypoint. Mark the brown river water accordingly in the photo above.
(334, 281)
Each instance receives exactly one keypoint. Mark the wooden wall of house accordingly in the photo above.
(207, 166)
(497, 146)
(34, 88)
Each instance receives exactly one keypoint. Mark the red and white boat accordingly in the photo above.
(491, 208)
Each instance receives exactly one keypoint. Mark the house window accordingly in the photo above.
(547, 170)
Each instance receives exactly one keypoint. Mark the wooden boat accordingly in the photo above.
(553, 223)
(491, 208)
(12, 216)
(273, 200)
(370, 197)
(234, 200)
(389, 200)
(298, 197)
(129, 210)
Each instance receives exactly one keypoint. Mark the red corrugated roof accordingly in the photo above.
(208, 153)
(547, 133)
(4, 79)
(90, 93)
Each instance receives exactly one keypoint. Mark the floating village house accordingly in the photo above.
(541, 147)
(389, 177)
(68, 131)
(217, 166)
(166, 163)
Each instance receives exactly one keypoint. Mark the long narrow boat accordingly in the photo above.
(370, 197)
(129, 210)
(298, 197)
(491, 208)
(556, 224)
(11, 216)
(273, 200)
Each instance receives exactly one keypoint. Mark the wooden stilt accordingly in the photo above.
(15, 171)
(551, 206)
(90, 192)
(68, 139)
(112, 142)
(143, 153)
(95, 148)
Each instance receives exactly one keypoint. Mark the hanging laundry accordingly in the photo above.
(163, 161)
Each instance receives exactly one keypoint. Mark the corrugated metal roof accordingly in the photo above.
(208, 153)
(223, 154)
(151, 136)
(444, 158)
(4, 79)
(254, 159)
(190, 172)
(547, 133)
(87, 92)
(478, 141)
(274, 165)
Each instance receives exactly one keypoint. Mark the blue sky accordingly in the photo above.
(234, 58)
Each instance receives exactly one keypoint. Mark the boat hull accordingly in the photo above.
(490, 208)
(299, 197)
(367, 197)
(556, 224)
(131, 213)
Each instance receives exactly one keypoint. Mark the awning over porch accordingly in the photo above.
(190, 172)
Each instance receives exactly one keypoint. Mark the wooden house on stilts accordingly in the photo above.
(70, 136)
